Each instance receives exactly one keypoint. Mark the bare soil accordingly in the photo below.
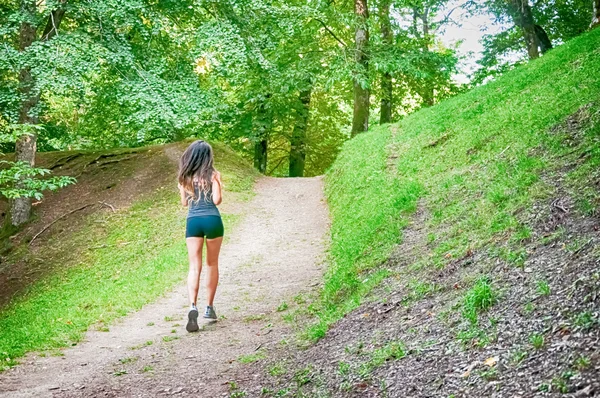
(274, 253)
(105, 182)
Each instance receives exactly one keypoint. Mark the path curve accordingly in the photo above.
(273, 254)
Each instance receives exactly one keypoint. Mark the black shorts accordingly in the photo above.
(210, 227)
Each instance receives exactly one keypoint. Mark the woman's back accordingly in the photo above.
(203, 205)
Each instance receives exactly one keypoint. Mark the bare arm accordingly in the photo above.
(182, 195)
(217, 189)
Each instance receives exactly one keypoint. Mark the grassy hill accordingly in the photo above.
(464, 254)
(101, 248)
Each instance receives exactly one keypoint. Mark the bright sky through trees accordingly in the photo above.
(467, 30)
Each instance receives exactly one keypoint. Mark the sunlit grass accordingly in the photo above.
(125, 261)
(476, 161)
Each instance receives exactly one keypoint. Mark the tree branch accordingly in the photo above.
(330, 32)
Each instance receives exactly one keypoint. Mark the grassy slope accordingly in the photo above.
(122, 261)
(475, 160)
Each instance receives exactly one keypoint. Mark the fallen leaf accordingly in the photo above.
(491, 361)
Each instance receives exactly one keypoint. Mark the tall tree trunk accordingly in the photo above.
(543, 39)
(523, 18)
(261, 128)
(260, 154)
(298, 141)
(596, 15)
(426, 92)
(387, 89)
(360, 119)
(26, 145)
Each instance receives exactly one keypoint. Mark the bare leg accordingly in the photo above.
(213, 247)
(194, 246)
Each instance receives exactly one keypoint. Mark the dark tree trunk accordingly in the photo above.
(360, 119)
(260, 155)
(543, 39)
(298, 141)
(26, 145)
(387, 89)
(523, 18)
(387, 92)
(596, 15)
(261, 127)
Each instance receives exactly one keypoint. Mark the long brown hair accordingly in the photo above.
(196, 167)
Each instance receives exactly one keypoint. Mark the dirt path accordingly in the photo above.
(274, 253)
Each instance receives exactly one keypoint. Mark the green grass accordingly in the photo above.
(479, 298)
(393, 350)
(476, 161)
(543, 288)
(133, 256)
(249, 358)
(537, 341)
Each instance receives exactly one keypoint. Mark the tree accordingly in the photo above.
(422, 68)
(298, 140)
(553, 21)
(360, 118)
(536, 38)
(387, 89)
(25, 147)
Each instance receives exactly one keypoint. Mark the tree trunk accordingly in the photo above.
(298, 141)
(596, 15)
(543, 39)
(260, 155)
(523, 18)
(426, 92)
(360, 119)
(26, 145)
(262, 126)
(387, 89)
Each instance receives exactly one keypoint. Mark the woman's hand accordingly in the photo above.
(183, 196)
(217, 192)
(217, 177)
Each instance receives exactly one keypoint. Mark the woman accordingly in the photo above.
(200, 190)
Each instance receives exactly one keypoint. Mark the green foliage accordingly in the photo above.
(366, 207)
(561, 19)
(21, 180)
(393, 350)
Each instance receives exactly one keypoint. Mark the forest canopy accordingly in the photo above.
(283, 82)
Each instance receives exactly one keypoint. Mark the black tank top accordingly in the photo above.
(203, 205)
